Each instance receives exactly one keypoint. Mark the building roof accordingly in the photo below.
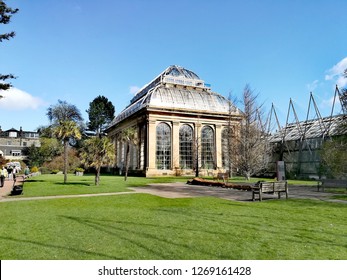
(311, 129)
(177, 88)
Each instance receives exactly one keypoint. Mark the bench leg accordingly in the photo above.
(260, 196)
(279, 195)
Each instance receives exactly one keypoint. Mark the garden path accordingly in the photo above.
(182, 190)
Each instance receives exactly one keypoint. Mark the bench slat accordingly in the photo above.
(332, 183)
(271, 188)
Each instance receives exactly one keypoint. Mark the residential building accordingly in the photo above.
(13, 141)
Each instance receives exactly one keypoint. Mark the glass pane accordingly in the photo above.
(163, 153)
(186, 147)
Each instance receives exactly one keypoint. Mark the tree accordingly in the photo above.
(250, 143)
(334, 157)
(65, 131)
(5, 17)
(65, 125)
(334, 150)
(37, 156)
(96, 152)
(101, 113)
(228, 146)
(129, 136)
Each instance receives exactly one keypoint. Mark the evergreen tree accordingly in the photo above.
(5, 17)
(101, 112)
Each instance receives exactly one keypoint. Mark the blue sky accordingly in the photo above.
(75, 50)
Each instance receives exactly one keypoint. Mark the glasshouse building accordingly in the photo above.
(179, 122)
(299, 144)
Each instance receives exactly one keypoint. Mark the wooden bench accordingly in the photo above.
(18, 185)
(332, 183)
(270, 188)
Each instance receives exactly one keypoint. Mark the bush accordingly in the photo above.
(45, 170)
(34, 169)
(55, 171)
(79, 169)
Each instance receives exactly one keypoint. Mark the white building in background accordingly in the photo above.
(13, 141)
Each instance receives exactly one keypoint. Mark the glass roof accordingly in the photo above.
(311, 129)
(186, 92)
(180, 71)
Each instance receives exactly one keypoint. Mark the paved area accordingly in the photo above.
(181, 190)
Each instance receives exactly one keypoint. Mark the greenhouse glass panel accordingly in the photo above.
(207, 148)
(163, 153)
(186, 147)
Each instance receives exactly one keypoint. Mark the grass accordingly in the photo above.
(48, 185)
(141, 226)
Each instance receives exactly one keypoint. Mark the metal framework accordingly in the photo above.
(298, 143)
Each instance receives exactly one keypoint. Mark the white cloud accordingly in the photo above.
(134, 89)
(327, 103)
(15, 99)
(336, 73)
(312, 86)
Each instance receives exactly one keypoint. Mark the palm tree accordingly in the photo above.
(96, 152)
(65, 119)
(129, 137)
(65, 131)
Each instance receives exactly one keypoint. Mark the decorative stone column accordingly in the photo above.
(175, 145)
(151, 145)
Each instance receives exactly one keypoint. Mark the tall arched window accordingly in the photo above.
(226, 148)
(207, 148)
(163, 154)
(186, 147)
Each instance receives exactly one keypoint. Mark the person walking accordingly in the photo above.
(3, 175)
(14, 172)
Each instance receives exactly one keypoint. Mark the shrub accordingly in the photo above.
(79, 169)
(34, 169)
(55, 171)
(45, 170)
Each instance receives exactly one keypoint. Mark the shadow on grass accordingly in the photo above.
(128, 231)
(20, 242)
(74, 184)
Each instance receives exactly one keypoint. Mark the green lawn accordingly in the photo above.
(141, 226)
(47, 185)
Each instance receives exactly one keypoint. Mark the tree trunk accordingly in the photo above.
(247, 175)
(97, 175)
(126, 162)
(66, 146)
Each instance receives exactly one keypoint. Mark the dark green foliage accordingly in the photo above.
(5, 17)
(63, 111)
(101, 112)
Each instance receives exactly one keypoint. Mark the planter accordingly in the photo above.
(78, 173)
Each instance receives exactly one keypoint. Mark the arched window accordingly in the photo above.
(163, 154)
(226, 148)
(207, 148)
(186, 147)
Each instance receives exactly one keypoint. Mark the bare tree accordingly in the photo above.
(251, 141)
